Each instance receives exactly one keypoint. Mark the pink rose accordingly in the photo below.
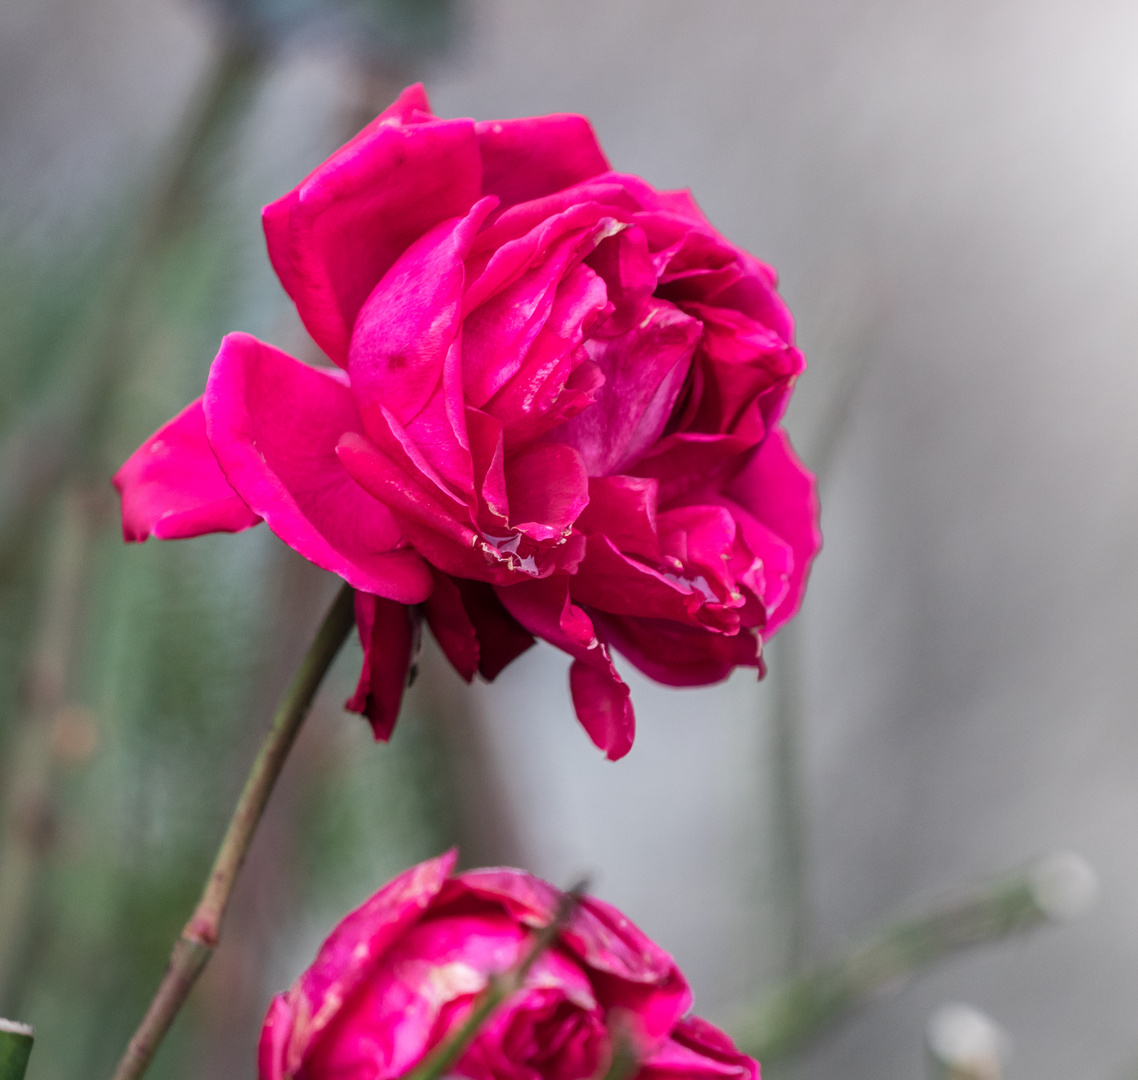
(402, 971)
(554, 413)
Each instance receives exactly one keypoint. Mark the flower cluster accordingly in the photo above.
(554, 413)
(402, 972)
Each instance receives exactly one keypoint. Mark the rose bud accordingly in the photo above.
(401, 973)
(554, 412)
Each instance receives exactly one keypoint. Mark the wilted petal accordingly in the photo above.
(387, 632)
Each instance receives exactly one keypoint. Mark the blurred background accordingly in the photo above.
(947, 190)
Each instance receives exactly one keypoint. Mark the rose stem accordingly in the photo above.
(199, 938)
(1055, 888)
(437, 1063)
(15, 1049)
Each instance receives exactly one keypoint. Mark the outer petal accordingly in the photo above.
(387, 632)
(678, 655)
(781, 493)
(274, 423)
(472, 627)
(698, 1050)
(630, 971)
(352, 952)
(172, 486)
(603, 705)
(334, 236)
(600, 696)
(538, 155)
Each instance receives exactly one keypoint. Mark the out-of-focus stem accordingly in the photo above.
(788, 808)
(200, 936)
(15, 1049)
(29, 819)
(800, 1010)
(62, 425)
(500, 987)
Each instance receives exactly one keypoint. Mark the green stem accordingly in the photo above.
(15, 1049)
(500, 987)
(200, 936)
(802, 1008)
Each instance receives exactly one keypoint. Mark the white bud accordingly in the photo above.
(968, 1042)
(1065, 885)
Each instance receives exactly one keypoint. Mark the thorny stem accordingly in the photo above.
(200, 936)
(802, 1008)
(500, 987)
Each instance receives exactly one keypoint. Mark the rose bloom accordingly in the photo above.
(400, 973)
(554, 413)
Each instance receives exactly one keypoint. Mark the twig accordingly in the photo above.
(200, 936)
(498, 989)
(15, 1049)
(795, 1013)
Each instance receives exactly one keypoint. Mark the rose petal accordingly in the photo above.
(354, 950)
(334, 236)
(699, 1051)
(782, 494)
(600, 697)
(537, 155)
(172, 486)
(644, 371)
(274, 423)
(547, 489)
(387, 633)
(410, 320)
(675, 654)
(601, 701)
(623, 508)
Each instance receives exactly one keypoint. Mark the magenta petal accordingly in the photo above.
(548, 489)
(410, 320)
(601, 700)
(273, 1045)
(274, 423)
(332, 238)
(600, 696)
(172, 486)
(698, 1050)
(387, 632)
(623, 508)
(644, 372)
(452, 626)
(353, 951)
(678, 655)
(537, 155)
(782, 494)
